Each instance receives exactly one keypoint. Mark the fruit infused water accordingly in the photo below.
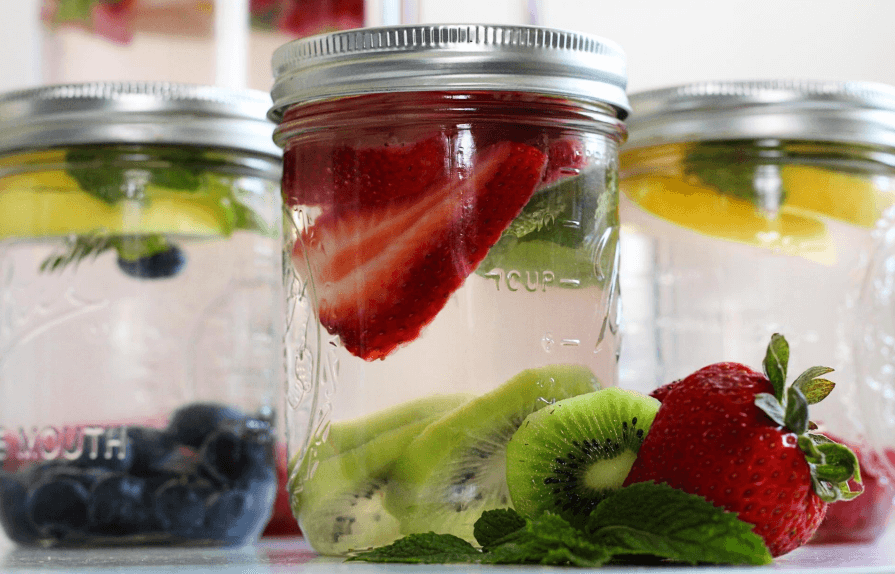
(452, 248)
(749, 209)
(139, 346)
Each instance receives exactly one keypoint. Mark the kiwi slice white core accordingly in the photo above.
(605, 474)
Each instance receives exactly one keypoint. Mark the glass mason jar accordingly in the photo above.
(451, 236)
(140, 351)
(750, 208)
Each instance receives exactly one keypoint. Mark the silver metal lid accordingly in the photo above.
(137, 113)
(849, 112)
(449, 57)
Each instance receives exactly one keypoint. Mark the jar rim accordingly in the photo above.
(821, 110)
(470, 57)
(162, 113)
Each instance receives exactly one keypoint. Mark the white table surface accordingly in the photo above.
(294, 556)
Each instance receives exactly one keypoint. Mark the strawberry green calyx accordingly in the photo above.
(832, 464)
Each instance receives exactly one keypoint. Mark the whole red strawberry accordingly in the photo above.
(740, 439)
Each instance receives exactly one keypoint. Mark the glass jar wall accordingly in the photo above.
(754, 208)
(140, 351)
(450, 268)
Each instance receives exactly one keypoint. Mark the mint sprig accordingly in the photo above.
(646, 521)
(832, 464)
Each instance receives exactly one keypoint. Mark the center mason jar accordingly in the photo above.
(451, 232)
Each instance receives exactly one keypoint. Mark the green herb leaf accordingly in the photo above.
(82, 247)
(77, 250)
(109, 172)
(496, 524)
(649, 518)
(647, 521)
(731, 168)
(796, 417)
(775, 362)
(428, 548)
(548, 540)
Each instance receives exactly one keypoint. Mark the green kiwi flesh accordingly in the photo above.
(346, 435)
(336, 492)
(567, 458)
(456, 468)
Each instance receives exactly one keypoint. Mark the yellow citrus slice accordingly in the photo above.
(50, 203)
(705, 211)
(847, 197)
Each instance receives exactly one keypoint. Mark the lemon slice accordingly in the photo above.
(50, 203)
(843, 196)
(713, 214)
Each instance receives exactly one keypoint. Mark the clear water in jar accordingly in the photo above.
(140, 346)
(384, 412)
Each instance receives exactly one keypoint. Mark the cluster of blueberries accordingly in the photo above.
(208, 478)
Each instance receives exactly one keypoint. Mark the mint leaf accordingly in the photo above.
(548, 540)
(428, 548)
(496, 524)
(775, 362)
(106, 172)
(649, 518)
(730, 168)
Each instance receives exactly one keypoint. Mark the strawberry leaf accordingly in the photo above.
(810, 450)
(775, 361)
(814, 389)
(796, 416)
(832, 465)
(840, 463)
(771, 407)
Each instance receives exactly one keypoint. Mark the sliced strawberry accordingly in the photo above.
(565, 158)
(381, 275)
(352, 177)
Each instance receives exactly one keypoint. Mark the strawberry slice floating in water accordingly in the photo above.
(382, 274)
(347, 177)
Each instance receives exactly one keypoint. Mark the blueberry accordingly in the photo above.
(230, 517)
(190, 425)
(58, 507)
(157, 452)
(159, 265)
(179, 506)
(240, 457)
(118, 506)
(107, 449)
(14, 511)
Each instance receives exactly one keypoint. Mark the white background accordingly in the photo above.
(667, 41)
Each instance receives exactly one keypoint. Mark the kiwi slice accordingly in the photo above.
(456, 468)
(338, 488)
(344, 436)
(567, 458)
